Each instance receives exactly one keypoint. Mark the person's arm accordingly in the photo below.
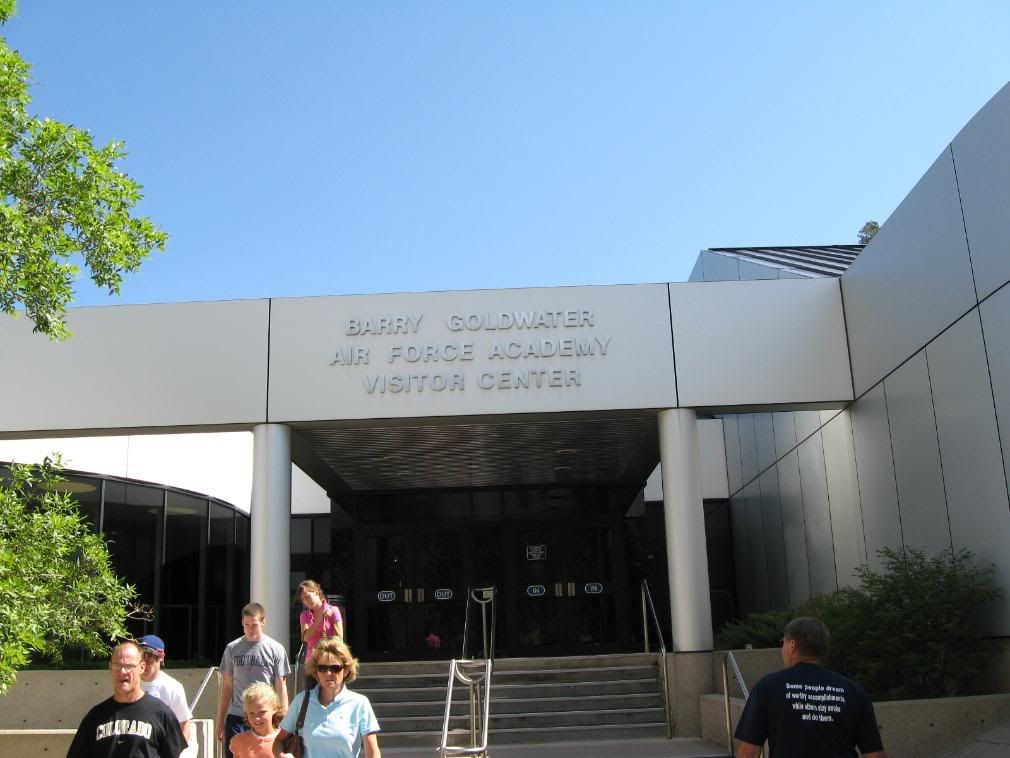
(311, 628)
(372, 746)
(340, 629)
(227, 687)
(281, 685)
(282, 735)
(747, 750)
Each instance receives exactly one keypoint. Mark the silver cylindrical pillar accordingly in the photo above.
(687, 559)
(270, 514)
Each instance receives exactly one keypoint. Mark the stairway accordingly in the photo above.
(533, 700)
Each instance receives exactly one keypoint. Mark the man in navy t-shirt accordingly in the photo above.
(805, 710)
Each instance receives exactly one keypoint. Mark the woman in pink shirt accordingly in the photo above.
(319, 620)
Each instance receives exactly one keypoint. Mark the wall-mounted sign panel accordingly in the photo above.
(536, 552)
(475, 352)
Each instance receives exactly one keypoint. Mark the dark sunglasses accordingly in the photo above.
(336, 668)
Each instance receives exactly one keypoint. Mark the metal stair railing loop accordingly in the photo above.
(216, 748)
(484, 597)
(648, 609)
(476, 675)
(728, 663)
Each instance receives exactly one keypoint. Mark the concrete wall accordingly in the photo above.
(920, 458)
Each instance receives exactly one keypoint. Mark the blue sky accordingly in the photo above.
(311, 148)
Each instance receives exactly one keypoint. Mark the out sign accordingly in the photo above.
(444, 594)
(387, 596)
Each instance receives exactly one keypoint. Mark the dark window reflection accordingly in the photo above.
(183, 576)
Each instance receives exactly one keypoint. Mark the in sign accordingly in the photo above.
(536, 590)
(387, 596)
(594, 588)
(443, 594)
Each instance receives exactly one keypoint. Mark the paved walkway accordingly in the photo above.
(994, 743)
(652, 748)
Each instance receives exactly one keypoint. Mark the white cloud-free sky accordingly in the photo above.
(326, 147)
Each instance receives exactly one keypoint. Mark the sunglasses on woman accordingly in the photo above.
(335, 668)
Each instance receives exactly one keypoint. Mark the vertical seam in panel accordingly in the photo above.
(831, 520)
(859, 492)
(673, 345)
(939, 450)
(782, 519)
(803, 510)
(270, 313)
(848, 344)
(964, 224)
(894, 472)
(995, 410)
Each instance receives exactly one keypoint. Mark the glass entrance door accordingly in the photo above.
(414, 593)
(563, 598)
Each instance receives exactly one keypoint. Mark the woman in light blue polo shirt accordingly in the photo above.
(338, 723)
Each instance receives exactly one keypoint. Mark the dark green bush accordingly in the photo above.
(907, 631)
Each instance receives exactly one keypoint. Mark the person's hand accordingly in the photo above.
(220, 732)
(318, 612)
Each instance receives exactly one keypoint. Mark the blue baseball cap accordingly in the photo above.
(152, 641)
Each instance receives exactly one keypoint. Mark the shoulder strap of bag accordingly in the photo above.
(302, 710)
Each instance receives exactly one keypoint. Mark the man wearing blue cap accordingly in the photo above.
(154, 681)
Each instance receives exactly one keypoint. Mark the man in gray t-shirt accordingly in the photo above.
(253, 657)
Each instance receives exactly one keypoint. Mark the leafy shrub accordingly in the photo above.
(907, 631)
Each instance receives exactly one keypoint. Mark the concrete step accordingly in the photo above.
(429, 708)
(532, 736)
(502, 692)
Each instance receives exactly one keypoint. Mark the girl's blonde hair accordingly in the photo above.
(263, 691)
(331, 647)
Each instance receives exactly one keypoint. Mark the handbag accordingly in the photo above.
(293, 743)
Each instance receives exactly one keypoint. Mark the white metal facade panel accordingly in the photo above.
(748, 448)
(917, 471)
(982, 159)
(820, 546)
(843, 495)
(807, 422)
(471, 353)
(720, 268)
(782, 341)
(731, 433)
(765, 435)
(756, 539)
(137, 366)
(996, 327)
(878, 495)
(973, 474)
(785, 432)
(912, 281)
(751, 271)
(794, 532)
(775, 546)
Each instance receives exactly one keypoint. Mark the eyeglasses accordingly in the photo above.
(125, 667)
(335, 668)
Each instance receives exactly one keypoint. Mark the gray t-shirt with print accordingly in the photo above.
(249, 662)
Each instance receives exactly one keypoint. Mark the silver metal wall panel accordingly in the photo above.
(794, 530)
(843, 497)
(912, 281)
(921, 500)
(698, 272)
(731, 433)
(775, 545)
(982, 159)
(817, 514)
(750, 271)
(720, 268)
(878, 493)
(783, 274)
(973, 474)
(765, 436)
(741, 554)
(785, 432)
(996, 327)
(758, 562)
(748, 447)
(807, 422)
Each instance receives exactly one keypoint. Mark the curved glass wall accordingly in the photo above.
(187, 555)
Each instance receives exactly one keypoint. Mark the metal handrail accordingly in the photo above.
(472, 673)
(215, 747)
(729, 660)
(646, 602)
(484, 596)
(298, 670)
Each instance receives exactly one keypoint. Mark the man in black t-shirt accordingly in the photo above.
(130, 724)
(805, 710)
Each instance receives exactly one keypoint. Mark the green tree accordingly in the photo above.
(64, 201)
(868, 231)
(57, 584)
